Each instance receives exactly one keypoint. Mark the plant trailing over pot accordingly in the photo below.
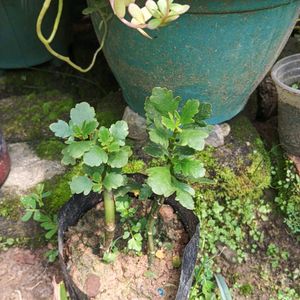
(151, 16)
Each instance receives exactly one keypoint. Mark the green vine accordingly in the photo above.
(47, 41)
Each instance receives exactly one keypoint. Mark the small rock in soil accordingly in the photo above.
(167, 213)
(92, 285)
(296, 160)
(228, 254)
(136, 124)
(23, 162)
(217, 135)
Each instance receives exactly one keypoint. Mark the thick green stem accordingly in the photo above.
(157, 203)
(110, 224)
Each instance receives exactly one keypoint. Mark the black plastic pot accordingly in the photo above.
(78, 205)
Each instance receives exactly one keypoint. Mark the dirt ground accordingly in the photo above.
(26, 275)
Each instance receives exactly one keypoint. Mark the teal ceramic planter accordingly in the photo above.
(218, 52)
(19, 46)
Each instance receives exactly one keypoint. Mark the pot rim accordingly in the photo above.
(278, 66)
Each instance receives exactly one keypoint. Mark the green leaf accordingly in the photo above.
(119, 8)
(125, 235)
(204, 112)
(119, 130)
(50, 234)
(37, 215)
(145, 192)
(154, 23)
(27, 216)
(224, 290)
(28, 201)
(155, 150)
(185, 199)
(109, 257)
(82, 112)
(159, 179)
(194, 138)
(189, 168)
(189, 110)
(113, 147)
(119, 159)
(61, 129)
(183, 151)
(169, 123)
(184, 194)
(52, 255)
(104, 135)
(95, 157)
(81, 184)
(159, 136)
(89, 127)
(89, 10)
(67, 159)
(163, 101)
(77, 149)
(113, 181)
(135, 245)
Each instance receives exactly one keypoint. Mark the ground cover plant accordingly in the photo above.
(287, 183)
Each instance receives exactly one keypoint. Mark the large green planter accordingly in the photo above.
(19, 45)
(218, 52)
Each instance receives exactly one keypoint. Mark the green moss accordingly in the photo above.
(49, 149)
(60, 189)
(10, 208)
(134, 166)
(28, 117)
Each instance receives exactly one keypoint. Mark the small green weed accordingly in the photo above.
(33, 205)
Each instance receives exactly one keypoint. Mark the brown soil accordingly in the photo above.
(129, 276)
(25, 274)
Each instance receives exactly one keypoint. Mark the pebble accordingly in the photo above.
(92, 285)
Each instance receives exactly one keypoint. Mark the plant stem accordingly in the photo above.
(110, 224)
(157, 203)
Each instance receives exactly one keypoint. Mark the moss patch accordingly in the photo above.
(49, 149)
(60, 190)
(26, 118)
(10, 207)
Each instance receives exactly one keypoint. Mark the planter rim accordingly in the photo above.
(277, 68)
(234, 7)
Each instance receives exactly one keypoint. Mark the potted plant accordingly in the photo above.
(217, 51)
(20, 46)
(286, 75)
(175, 137)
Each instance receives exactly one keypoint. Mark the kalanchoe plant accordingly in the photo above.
(175, 137)
(102, 153)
